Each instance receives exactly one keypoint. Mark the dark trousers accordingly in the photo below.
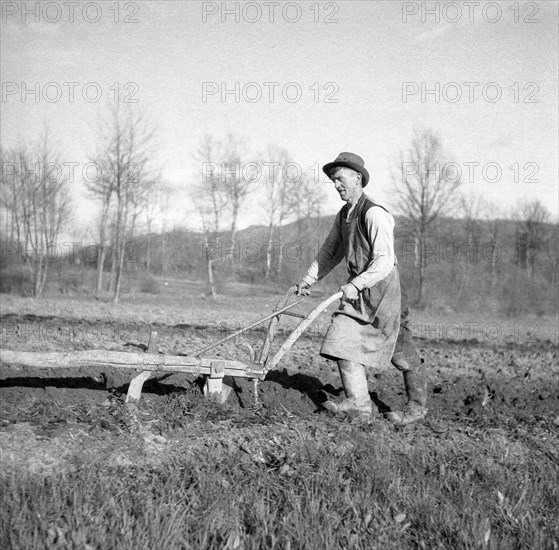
(405, 355)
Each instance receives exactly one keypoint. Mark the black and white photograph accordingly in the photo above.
(279, 275)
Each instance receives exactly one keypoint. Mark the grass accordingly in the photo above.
(80, 473)
(213, 478)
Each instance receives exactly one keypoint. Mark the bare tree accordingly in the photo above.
(126, 144)
(6, 217)
(491, 214)
(221, 193)
(38, 199)
(134, 177)
(164, 208)
(10, 194)
(277, 204)
(237, 186)
(425, 186)
(210, 195)
(101, 187)
(211, 249)
(552, 254)
(210, 201)
(481, 219)
(157, 202)
(307, 198)
(472, 208)
(531, 233)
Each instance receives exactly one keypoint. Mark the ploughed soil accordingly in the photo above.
(81, 469)
(470, 381)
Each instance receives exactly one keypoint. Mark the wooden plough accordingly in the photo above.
(152, 362)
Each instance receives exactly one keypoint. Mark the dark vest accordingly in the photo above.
(358, 250)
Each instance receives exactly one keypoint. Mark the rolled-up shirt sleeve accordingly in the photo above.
(380, 228)
(329, 256)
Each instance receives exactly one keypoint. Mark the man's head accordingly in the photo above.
(348, 182)
(348, 160)
(349, 175)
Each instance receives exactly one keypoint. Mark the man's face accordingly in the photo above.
(347, 183)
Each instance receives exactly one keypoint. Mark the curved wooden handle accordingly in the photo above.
(301, 327)
(265, 351)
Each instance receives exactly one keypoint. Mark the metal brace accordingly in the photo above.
(217, 369)
(136, 384)
(214, 386)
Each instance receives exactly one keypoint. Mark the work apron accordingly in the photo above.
(365, 330)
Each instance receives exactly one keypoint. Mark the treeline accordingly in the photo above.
(122, 184)
(470, 265)
(454, 251)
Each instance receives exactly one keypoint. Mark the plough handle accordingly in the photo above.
(292, 338)
(265, 351)
(246, 328)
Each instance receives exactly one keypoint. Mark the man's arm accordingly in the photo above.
(328, 257)
(380, 230)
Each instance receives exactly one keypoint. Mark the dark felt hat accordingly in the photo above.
(349, 160)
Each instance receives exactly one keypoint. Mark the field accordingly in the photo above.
(80, 471)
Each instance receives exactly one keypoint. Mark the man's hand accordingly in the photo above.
(350, 292)
(303, 289)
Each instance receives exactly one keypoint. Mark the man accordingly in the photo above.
(370, 327)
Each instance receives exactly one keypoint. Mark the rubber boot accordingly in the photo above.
(358, 401)
(415, 382)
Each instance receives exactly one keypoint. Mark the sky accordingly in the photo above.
(481, 74)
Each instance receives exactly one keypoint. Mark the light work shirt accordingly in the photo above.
(380, 232)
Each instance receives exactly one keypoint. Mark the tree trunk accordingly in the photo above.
(421, 286)
(280, 253)
(299, 228)
(111, 285)
(102, 250)
(420, 262)
(494, 267)
(119, 270)
(210, 267)
(231, 251)
(211, 278)
(148, 251)
(531, 258)
(230, 255)
(269, 252)
(116, 245)
(121, 254)
(101, 253)
(417, 252)
(164, 252)
(39, 273)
